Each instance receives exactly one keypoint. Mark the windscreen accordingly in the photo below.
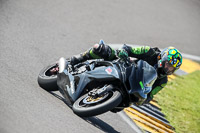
(142, 78)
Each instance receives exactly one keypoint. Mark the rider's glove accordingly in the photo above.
(122, 54)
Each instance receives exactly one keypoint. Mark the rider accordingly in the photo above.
(166, 61)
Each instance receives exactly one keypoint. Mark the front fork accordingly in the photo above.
(100, 92)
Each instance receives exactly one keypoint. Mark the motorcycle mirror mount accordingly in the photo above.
(62, 64)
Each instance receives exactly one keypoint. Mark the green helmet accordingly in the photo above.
(170, 60)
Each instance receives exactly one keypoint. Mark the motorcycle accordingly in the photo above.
(97, 86)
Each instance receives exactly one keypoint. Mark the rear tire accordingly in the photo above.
(113, 99)
(46, 80)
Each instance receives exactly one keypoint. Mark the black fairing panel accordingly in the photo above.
(62, 81)
(73, 86)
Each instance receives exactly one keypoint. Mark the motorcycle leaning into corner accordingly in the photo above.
(97, 86)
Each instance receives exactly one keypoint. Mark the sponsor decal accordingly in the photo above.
(109, 70)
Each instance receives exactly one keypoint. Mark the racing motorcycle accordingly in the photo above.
(97, 86)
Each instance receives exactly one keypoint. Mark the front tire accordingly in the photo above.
(87, 109)
(46, 80)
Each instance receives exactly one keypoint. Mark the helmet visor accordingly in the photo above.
(169, 68)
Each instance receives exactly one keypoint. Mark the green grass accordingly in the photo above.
(180, 102)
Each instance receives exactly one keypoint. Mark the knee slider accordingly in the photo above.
(98, 48)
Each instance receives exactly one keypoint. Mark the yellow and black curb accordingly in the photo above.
(149, 117)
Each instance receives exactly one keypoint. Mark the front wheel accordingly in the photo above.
(86, 106)
(46, 80)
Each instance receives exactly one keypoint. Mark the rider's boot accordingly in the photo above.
(80, 58)
(74, 60)
(92, 53)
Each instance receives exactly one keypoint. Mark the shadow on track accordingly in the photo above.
(100, 124)
(96, 122)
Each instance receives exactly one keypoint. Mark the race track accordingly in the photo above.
(36, 33)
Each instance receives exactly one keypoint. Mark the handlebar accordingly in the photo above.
(128, 61)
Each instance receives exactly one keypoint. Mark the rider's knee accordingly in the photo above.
(96, 46)
(102, 50)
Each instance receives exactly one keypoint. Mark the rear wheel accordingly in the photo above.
(87, 106)
(47, 80)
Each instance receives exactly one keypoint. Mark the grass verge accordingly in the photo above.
(180, 102)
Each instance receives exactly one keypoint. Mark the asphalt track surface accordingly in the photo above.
(34, 33)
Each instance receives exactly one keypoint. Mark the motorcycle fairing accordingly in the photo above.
(73, 91)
